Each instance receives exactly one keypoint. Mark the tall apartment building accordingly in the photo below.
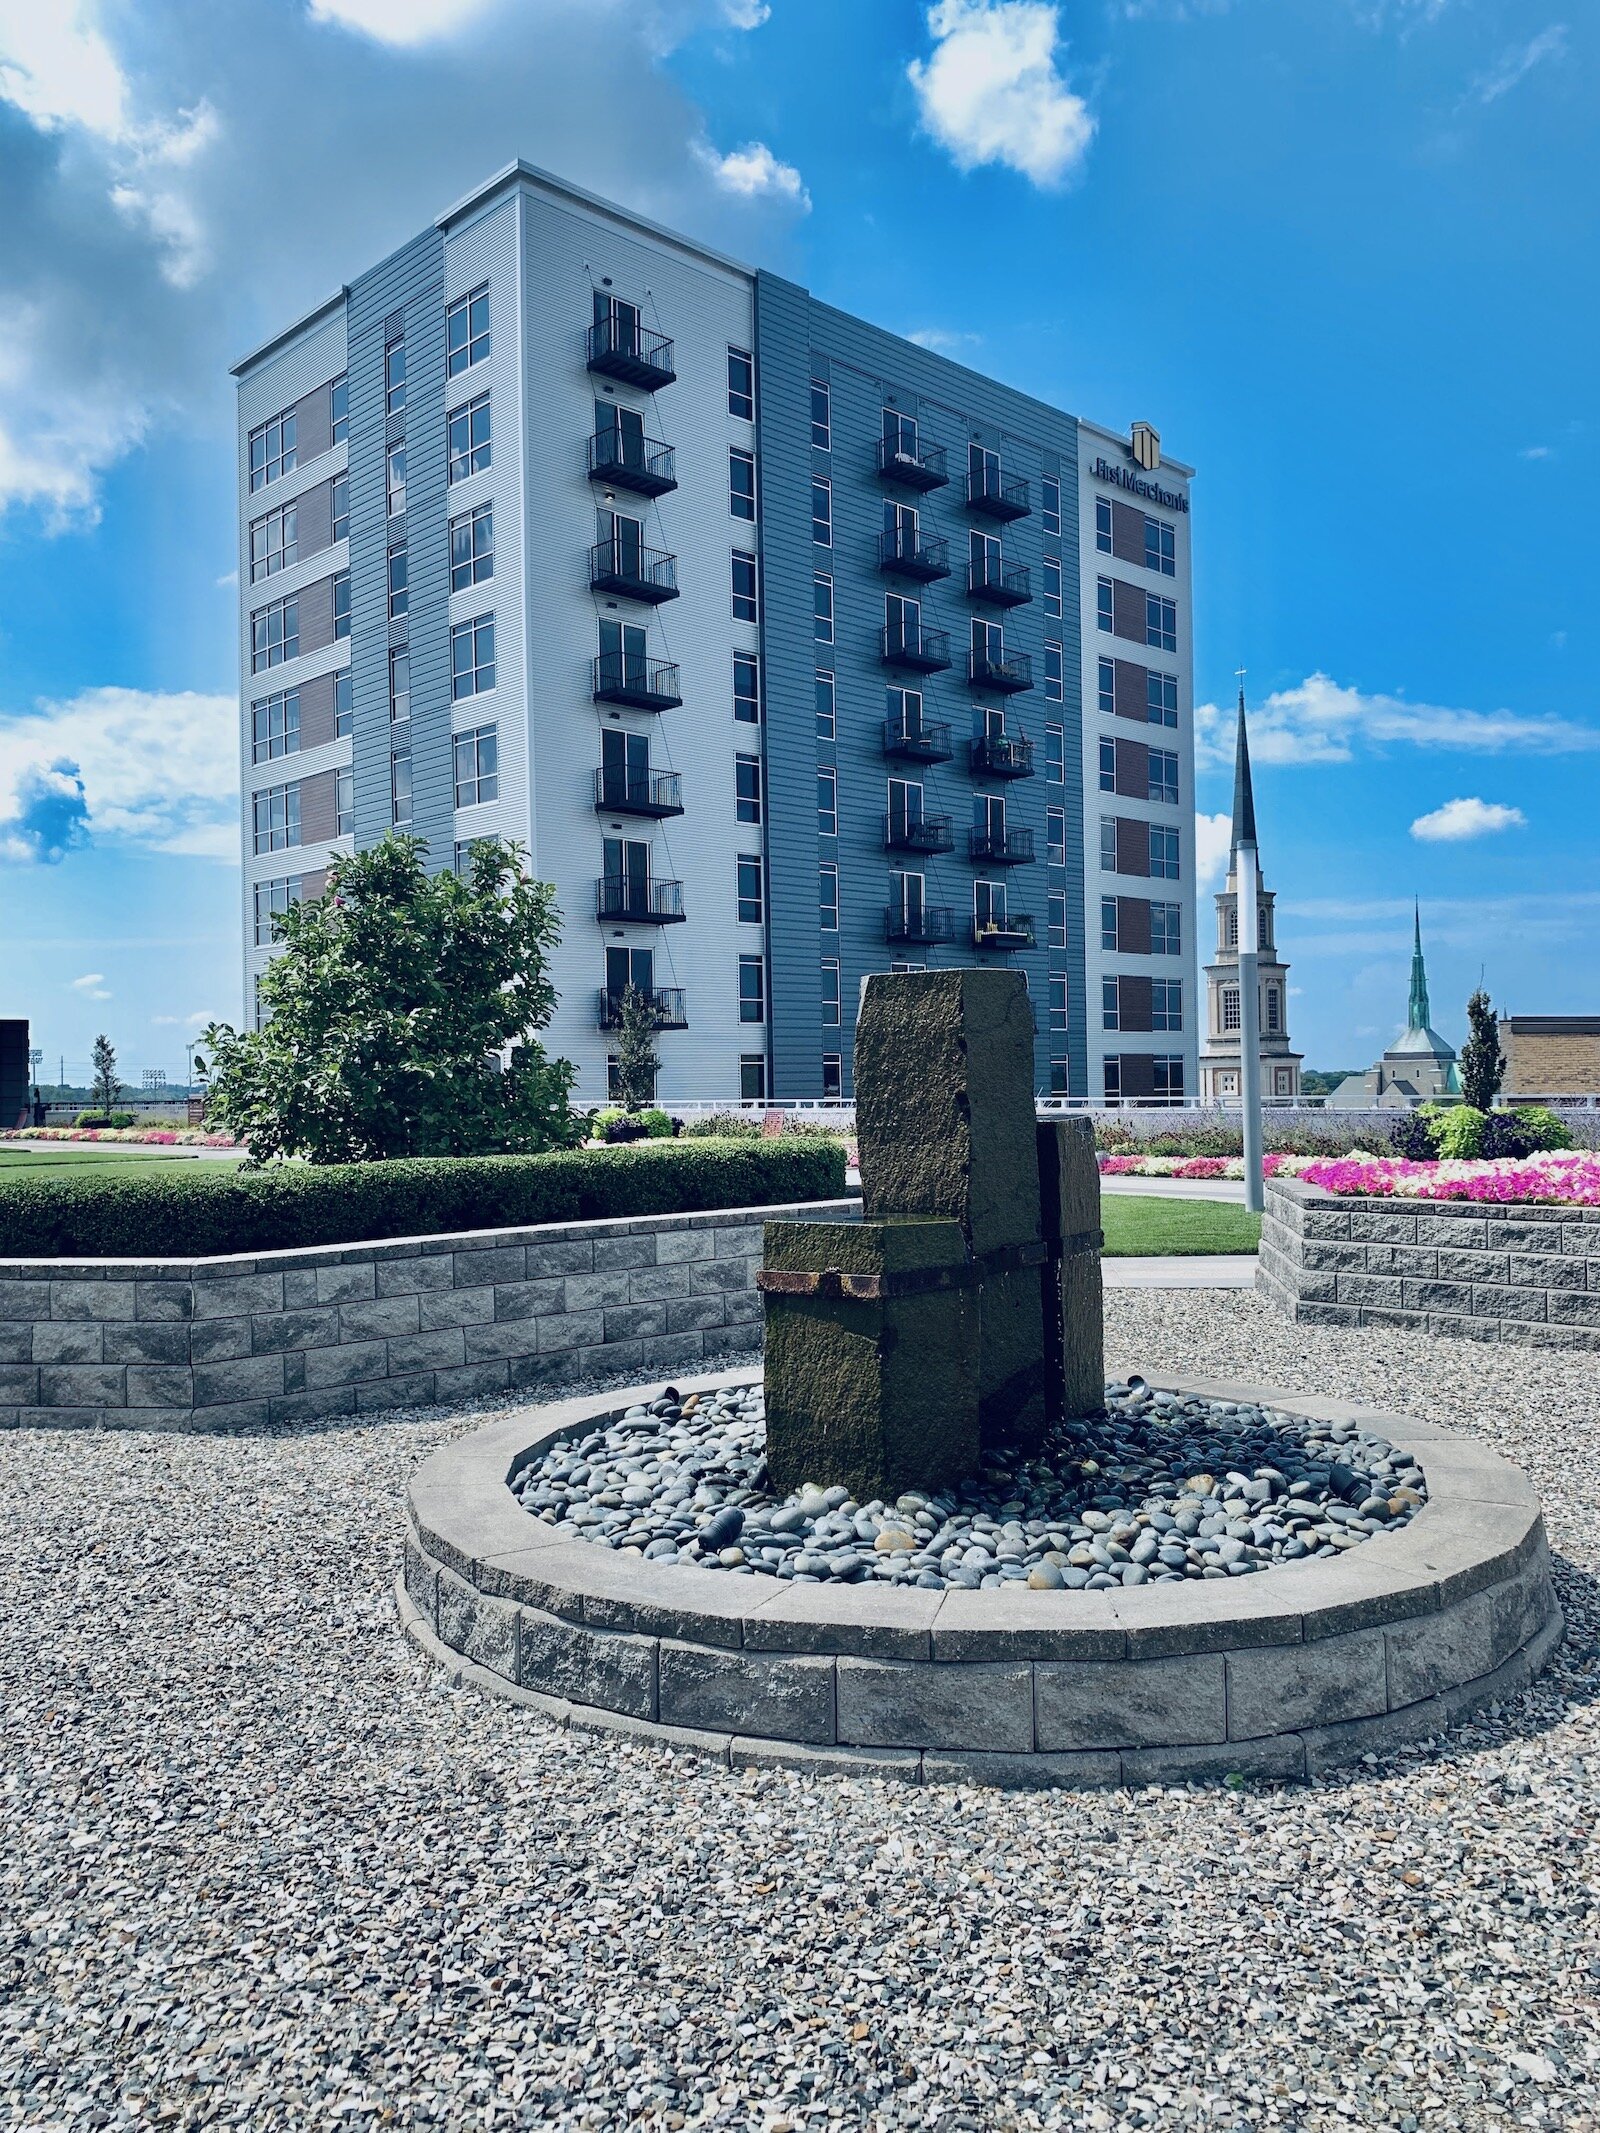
(790, 650)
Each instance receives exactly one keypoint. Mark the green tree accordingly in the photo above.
(387, 1010)
(637, 1060)
(103, 1082)
(1481, 1066)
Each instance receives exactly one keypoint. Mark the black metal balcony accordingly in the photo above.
(925, 650)
(619, 349)
(923, 556)
(924, 833)
(927, 743)
(647, 468)
(642, 684)
(927, 928)
(923, 469)
(999, 755)
(633, 571)
(999, 584)
(1003, 935)
(638, 903)
(1002, 848)
(665, 1004)
(997, 498)
(657, 793)
(1003, 677)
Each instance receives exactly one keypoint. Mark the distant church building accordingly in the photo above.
(1417, 1067)
(1220, 1055)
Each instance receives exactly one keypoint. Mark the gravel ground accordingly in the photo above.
(261, 1868)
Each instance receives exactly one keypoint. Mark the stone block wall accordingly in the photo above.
(1528, 1273)
(353, 1328)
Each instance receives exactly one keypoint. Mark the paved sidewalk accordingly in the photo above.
(1199, 1270)
(1179, 1188)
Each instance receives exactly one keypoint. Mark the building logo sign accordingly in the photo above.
(1126, 478)
(1145, 445)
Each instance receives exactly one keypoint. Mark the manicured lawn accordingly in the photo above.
(1137, 1226)
(60, 1156)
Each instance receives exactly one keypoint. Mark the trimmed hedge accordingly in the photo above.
(202, 1210)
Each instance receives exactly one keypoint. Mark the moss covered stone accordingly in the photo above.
(1074, 1315)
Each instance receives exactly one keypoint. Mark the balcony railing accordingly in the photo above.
(638, 903)
(1002, 755)
(633, 571)
(665, 1004)
(647, 468)
(999, 584)
(1005, 677)
(927, 927)
(923, 649)
(923, 833)
(656, 793)
(643, 684)
(995, 497)
(619, 349)
(923, 469)
(923, 556)
(1003, 935)
(928, 743)
(1002, 848)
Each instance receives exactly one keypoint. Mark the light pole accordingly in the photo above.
(1247, 893)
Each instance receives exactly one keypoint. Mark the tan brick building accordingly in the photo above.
(1551, 1055)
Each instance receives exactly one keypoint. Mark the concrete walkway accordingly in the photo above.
(1179, 1188)
(1201, 1270)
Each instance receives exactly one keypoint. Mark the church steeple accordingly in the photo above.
(1417, 1012)
(1244, 798)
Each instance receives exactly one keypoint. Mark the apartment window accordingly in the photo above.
(275, 726)
(1055, 836)
(395, 466)
(344, 802)
(272, 449)
(1164, 776)
(821, 417)
(477, 766)
(339, 502)
(468, 439)
(826, 706)
(272, 899)
(1108, 686)
(344, 704)
(399, 589)
(831, 1015)
(741, 482)
(1108, 843)
(747, 788)
(1166, 1003)
(273, 542)
(339, 409)
(741, 385)
(1110, 1004)
(1160, 622)
(1108, 766)
(899, 434)
(747, 688)
(472, 657)
(1102, 524)
(1050, 506)
(1055, 755)
(1052, 587)
(275, 816)
(1105, 614)
(752, 1078)
(1230, 1007)
(466, 331)
(1166, 929)
(1056, 904)
(1058, 999)
(341, 604)
(746, 599)
(1053, 671)
(1160, 548)
(822, 608)
(394, 377)
(822, 513)
(1274, 1012)
(275, 634)
(399, 683)
(1168, 1076)
(752, 989)
(828, 802)
(1161, 698)
(832, 1074)
(748, 890)
(828, 896)
(466, 852)
(1113, 1080)
(400, 788)
(472, 548)
(1163, 853)
(1108, 922)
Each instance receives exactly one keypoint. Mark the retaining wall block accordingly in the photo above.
(1279, 1687)
(885, 1703)
(783, 1698)
(1135, 1704)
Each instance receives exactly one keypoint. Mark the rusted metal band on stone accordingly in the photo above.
(912, 1281)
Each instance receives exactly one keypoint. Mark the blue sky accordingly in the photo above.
(1341, 252)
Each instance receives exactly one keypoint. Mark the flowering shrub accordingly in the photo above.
(1571, 1178)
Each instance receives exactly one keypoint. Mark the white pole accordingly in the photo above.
(1248, 887)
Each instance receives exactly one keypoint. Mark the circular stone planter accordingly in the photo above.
(1278, 1675)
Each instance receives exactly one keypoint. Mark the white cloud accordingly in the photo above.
(158, 770)
(1512, 66)
(1535, 451)
(753, 172)
(197, 1020)
(745, 14)
(1459, 819)
(1213, 843)
(399, 22)
(92, 986)
(57, 67)
(943, 342)
(1321, 721)
(991, 92)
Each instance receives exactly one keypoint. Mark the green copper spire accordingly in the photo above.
(1417, 1012)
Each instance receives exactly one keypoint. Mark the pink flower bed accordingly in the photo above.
(1568, 1178)
(1190, 1166)
(142, 1136)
